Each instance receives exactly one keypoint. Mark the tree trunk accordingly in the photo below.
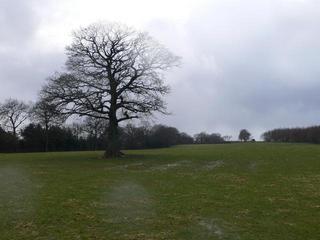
(95, 143)
(113, 144)
(15, 139)
(46, 147)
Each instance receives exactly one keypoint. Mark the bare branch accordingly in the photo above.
(13, 113)
(115, 73)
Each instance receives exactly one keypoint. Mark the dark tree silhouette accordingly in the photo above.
(46, 115)
(185, 138)
(115, 73)
(135, 137)
(13, 113)
(96, 128)
(163, 136)
(205, 138)
(7, 141)
(33, 138)
(244, 135)
(298, 135)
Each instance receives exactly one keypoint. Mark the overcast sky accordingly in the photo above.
(246, 63)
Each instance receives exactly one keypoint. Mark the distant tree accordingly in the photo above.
(78, 129)
(65, 139)
(216, 138)
(244, 135)
(115, 73)
(96, 128)
(184, 138)
(227, 138)
(47, 115)
(7, 141)
(201, 138)
(163, 136)
(13, 113)
(205, 138)
(34, 139)
(135, 137)
(299, 135)
(158, 136)
(61, 138)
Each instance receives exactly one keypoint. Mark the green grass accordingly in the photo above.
(234, 191)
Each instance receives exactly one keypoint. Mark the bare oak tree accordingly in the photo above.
(115, 73)
(47, 115)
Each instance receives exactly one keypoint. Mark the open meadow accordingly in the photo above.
(229, 191)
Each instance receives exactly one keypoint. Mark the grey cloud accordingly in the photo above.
(246, 63)
(22, 75)
(24, 65)
(265, 67)
(17, 22)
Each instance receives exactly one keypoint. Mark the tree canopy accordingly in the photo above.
(244, 135)
(114, 73)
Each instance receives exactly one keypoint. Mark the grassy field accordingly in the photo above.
(234, 191)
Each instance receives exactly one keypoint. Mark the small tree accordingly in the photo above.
(227, 138)
(46, 115)
(96, 129)
(116, 74)
(244, 135)
(13, 113)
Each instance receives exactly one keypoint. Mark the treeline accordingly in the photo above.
(41, 127)
(293, 135)
(158, 136)
(33, 138)
(87, 136)
(213, 138)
